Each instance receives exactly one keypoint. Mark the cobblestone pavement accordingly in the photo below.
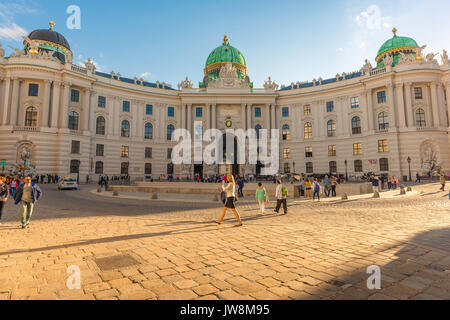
(316, 251)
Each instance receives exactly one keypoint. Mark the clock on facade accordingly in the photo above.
(228, 123)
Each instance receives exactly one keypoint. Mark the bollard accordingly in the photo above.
(115, 193)
(154, 196)
(402, 191)
(99, 189)
(344, 197)
(376, 195)
(409, 189)
(215, 198)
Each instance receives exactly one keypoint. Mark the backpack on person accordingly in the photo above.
(317, 187)
(284, 191)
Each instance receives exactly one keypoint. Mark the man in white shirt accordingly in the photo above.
(281, 198)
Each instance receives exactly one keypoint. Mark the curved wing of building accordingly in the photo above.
(60, 118)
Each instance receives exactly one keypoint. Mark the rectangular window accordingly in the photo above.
(148, 153)
(169, 153)
(358, 166)
(382, 146)
(257, 112)
(285, 112)
(332, 151)
(418, 93)
(149, 109)
(75, 147)
(100, 150)
(171, 112)
(33, 90)
(333, 166)
(75, 95)
(199, 112)
(287, 168)
(307, 110)
(101, 102)
(126, 106)
(125, 152)
(384, 164)
(308, 152)
(148, 168)
(357, 149)
(287, 153)
(330, 106)
(381, 97)
(99, 167)
(309, 167)
(354, 102)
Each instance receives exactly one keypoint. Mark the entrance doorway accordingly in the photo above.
(230, 160)
(259, 167)
(198, 170)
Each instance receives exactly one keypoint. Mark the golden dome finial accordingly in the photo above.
(225, 40)
(51, 24)
(394, 31)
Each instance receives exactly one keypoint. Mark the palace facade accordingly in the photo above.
(72, 120)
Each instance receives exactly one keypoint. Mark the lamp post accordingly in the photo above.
(346, 171)
(293, 165)
(409, 165)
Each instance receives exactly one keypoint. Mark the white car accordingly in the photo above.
(68, 184)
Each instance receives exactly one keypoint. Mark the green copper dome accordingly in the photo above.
(223, 55)
(394, 46)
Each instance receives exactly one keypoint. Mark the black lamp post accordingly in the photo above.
(346, 171)
(409, 165)
(293, 164)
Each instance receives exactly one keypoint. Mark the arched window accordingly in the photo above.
(356, 125)
(125, 132)
(100, 126)
(258, 129)
(170, 131)
(148, 131)
(383, 121)
(31, 117)
(331, 128)
(73, 120)
(308, 130)
(286, 133)
(420, 118)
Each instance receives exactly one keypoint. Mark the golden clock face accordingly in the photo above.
(229, 123)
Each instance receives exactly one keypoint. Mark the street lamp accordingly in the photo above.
(293, 164)
(409, 165)
(346, 171)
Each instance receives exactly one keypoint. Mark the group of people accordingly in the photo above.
(230, 196)
(26, 194)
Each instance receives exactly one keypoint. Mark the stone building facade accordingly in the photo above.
(75, 120)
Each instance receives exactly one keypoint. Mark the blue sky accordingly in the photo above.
(288, 40)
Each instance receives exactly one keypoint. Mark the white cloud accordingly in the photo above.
(340, 50)
(372, 19)
(12, 32)
(145, 75)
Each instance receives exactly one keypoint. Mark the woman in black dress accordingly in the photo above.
(230, 190)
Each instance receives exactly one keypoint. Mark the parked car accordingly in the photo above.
(68, 184)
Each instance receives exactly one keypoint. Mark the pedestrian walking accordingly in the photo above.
(333, 186)
(375, 184)
(3, 195)
(307, 188)
(417, 178)
(27, 195)
(281, 194)
(240, 183)
(316, 187)
(327, 186)
(442, 179)
(261, 197)
(13, 185)
(230, 190)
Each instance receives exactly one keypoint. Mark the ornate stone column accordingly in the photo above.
(135, 105)
(370, 113)
(434, 104)
(249, 116)
(400, 105)
(5, 100)
(267, 119)
(214, 116)
(409, 107)
(208, 117)
(15, 101)
(64, 116)
(243, 117)
(46, 104)
(85, 110)
(162, 117)
(447, 92)
(273, 113)
(116, 117)
(189, 118)
(183, 116)
(55, 104)
(391, 100)
(92, 123)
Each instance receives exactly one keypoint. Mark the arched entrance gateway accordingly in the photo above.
(230, 160)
